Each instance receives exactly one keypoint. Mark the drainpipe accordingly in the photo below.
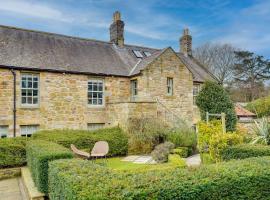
(14, 102)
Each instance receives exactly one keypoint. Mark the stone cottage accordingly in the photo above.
(50, 81)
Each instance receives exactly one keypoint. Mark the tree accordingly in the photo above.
(218, 58)
(214, 99)
(250, 70)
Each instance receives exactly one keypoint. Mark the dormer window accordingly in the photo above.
(147, 53)
(138, 54)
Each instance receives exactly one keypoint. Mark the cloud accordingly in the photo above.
(38, 10)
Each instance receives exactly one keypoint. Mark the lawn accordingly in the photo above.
(117, 164)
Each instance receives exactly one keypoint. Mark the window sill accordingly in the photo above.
(96, 106)
(29, 107)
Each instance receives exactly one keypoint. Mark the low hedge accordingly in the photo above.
(38, 154)
(245, 151)
(12, 152)
(82, 139)
(183, 152)
(234, 180)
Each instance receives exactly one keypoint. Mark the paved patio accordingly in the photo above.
(12, 189)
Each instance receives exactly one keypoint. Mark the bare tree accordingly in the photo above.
(218, 58)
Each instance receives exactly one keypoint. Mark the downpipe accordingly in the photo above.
(14, 102)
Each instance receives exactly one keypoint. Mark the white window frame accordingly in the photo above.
(169, 86)
(95, 126)
(5, 135)
(96, 91)
(138, 53)
(147, 53)
(195, 92)
(29, 126)
(32, 89)
(133, 89)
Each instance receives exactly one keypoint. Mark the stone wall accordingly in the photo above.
(153, 84)
(62, 102)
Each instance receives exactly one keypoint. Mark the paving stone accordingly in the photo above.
(193, 161)
(130, 158)
(10, 190)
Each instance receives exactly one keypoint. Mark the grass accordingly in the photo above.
(117, 164)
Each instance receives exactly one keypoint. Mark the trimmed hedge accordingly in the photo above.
(183, 152)
(234, 180)
(245, 151)
(38, 154)
(118, 141)
(12, 152)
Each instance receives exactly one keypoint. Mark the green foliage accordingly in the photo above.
(176, 160)
(262, 130)
(183, 152)
(182, 137)
(144, 134)
(206, 158)
(234, 180)
(38, 154)
(214, 99)
(83, 139)
(12, 152)
(221, 141)
(161, 152)
(206, 131)
(260, 106)
(245, 151)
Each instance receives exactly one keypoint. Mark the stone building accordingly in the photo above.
(50, 81)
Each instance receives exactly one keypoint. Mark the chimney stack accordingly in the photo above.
(117, 30)
(186, 43)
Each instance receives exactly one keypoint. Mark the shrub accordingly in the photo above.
(260, 106)
(262, 130)
(183, 152)
(182, 137)
(12, 152)
(83, 139)
(206, 131)
(144, 134)
(162, 151)
(39, 153)
(206, 158)
(176, 160)
(214, 99)
(221, 141)
(245, 151)
(243, 131)
(234, 180)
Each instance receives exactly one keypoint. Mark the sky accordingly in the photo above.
(156, 23)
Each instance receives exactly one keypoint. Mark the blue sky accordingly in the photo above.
(156, 23)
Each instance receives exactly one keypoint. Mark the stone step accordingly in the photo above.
(29, 185)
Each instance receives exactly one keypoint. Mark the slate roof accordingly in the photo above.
(36, 50)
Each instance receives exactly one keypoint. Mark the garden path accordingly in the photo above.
(193, 161)
(12, 189)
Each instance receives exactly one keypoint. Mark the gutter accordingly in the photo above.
(14, 102)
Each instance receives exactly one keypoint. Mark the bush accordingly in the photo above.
(221, 141)
(183, 137)
(214, 99)
(82, 139)
(162, 151)
(206, 131)
(12, 152)
(176, 160)
(183, 152)
(39, 153)
(234, 180)
(262, 131)
(144, 134)
(245, 151)
(206, 158)
(260, 106)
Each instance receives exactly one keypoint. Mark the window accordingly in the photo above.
(29, 89)
(134, 89)
(28, 130)
(138, 54)
(170, 86)
(95, 126)
(147, 53)
(196, 90)
(3, 131)
(96, 92)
